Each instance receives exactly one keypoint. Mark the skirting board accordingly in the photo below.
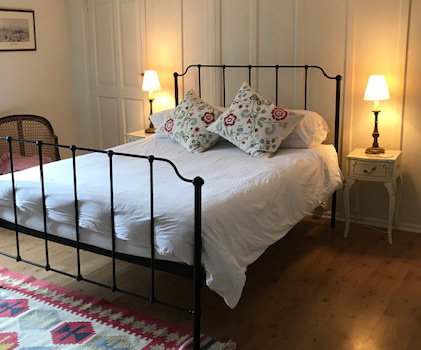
(365, 220)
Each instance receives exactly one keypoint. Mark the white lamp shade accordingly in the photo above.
(376, 89)
(151, 81)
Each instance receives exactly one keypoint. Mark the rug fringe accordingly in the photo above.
(230, 345)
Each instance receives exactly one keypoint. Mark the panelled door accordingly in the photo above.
(115, 51)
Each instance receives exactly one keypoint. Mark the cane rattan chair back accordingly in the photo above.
(28, 127)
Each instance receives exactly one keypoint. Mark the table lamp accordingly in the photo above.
(376, 91)
(151, 84)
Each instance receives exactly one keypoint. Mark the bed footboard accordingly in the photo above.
(195, 272)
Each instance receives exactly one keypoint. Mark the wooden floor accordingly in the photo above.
(312, 290)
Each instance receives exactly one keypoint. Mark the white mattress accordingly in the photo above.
(248, 203)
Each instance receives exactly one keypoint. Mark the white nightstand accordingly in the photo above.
(384, 168)
(136, 135)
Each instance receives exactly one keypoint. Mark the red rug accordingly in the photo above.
(39, 315)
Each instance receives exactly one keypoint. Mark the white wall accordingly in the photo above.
(78, 58)
(351, 38)
(411, 138)
(38, 82)
(180, 33)
(354, 38)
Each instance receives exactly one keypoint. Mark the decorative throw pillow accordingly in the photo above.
(187, 125)
(254, 124)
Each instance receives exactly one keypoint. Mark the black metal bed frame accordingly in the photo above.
(195, 271)
(276, 67)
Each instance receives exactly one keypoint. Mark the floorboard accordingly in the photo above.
(311, 290)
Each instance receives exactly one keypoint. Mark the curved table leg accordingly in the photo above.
(357, 201)
(399, 186)
(348, 184)
(391, 189)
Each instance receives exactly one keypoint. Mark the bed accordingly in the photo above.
(146, 210)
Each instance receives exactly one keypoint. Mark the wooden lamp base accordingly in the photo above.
(374, 150)
(151, 129)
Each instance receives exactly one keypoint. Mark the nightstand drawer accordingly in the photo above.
(370, 170)
(383, 168)
(360, 168)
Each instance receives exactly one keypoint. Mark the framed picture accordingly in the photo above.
(17, 30)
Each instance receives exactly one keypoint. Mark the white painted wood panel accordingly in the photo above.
(379, 48)
(355, 38)
(194, 40)
(108, 109)
(131, 110)
(324, 24)
(103, 37)
(411, 145)
(276, 45)
(235, 42)
(129, 20)
(115, 39)
(164, 46)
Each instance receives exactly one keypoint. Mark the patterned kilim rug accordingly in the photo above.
(39, 315)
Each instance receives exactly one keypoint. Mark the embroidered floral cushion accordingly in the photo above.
(187, 125)
(254, 124)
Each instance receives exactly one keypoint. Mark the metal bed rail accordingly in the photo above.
(195, 272)
(276, 68)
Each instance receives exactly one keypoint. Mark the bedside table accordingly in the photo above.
(385, 168)
(136, 135)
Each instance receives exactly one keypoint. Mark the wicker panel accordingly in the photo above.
(28, 127)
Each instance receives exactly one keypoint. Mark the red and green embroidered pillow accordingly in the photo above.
(254, 124)
(188, 124)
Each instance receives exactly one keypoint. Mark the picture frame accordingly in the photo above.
(17, 30)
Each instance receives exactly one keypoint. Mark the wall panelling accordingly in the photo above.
(354, 38)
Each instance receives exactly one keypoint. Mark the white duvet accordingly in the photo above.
(248, 203)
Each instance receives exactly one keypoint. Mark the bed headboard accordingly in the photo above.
(276, 69)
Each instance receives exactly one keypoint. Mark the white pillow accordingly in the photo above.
(310, 132)
(187, 124)
(159, 118)
(254, 124)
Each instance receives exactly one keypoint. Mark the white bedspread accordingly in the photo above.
(248, 203)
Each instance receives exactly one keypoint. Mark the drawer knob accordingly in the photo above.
(369, 172)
